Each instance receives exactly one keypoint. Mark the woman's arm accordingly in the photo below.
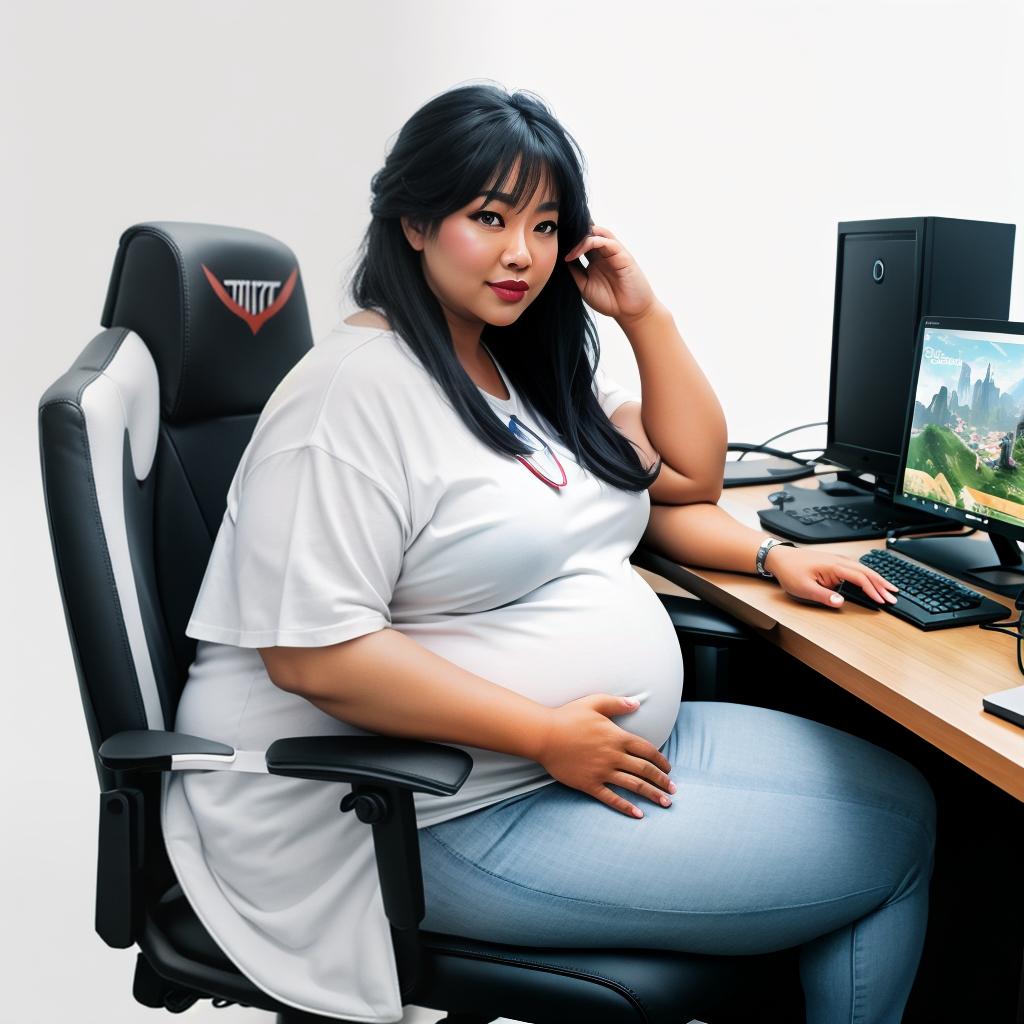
(387, 683)
(681, 413)
(706, 535)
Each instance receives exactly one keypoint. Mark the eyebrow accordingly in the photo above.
(504, 197)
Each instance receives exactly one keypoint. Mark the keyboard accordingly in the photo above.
(926, 599)
(861, 519)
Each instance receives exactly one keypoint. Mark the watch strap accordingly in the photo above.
(762, 553)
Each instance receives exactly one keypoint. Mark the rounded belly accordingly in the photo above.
(577, 635)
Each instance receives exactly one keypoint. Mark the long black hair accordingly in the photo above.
(443, 158)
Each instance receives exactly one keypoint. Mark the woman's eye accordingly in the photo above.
(551, 225)
(480, 214)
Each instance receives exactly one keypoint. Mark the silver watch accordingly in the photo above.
(762, 553)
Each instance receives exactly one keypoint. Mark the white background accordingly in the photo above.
(724, 142)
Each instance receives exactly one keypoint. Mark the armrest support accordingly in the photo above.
(384, 772)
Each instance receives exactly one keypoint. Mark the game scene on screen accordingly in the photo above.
(967, 434)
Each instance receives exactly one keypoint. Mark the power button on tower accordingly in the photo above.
(878, 271)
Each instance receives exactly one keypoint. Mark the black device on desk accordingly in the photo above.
(817, 516)
(925, 599)
(889, 273)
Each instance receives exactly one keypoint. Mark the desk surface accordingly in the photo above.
(932, 682)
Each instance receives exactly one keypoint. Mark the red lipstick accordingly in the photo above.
(510, 291)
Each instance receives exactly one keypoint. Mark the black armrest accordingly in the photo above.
(415, 765)
(702, 622)
(393, 761)
(151, 750)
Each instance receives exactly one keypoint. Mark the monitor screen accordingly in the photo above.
(963, 449)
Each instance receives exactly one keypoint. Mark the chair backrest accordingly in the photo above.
(139, 440)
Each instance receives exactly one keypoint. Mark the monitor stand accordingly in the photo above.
(847, 485)
(963, 557)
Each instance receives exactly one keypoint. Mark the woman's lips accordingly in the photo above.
(507, 294)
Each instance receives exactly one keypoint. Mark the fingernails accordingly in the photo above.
(671, 787)
(836, 598)
(891, 598)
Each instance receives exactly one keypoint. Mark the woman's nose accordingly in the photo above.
(517, 254)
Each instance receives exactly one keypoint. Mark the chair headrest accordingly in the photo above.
(221, 309)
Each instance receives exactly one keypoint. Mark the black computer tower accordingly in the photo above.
(890, 273)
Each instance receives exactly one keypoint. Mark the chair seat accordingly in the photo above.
(537, 984)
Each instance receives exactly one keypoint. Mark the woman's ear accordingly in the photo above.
(413, 234)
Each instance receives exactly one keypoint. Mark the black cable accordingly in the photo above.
(1012, 629)
(743, 446)
(792, 430)
(1018, 636)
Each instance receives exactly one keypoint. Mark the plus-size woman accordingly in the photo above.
(429, 536)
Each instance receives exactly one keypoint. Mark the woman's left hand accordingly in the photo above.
(611, 283)
(811, 573)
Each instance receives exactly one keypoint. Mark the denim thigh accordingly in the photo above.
(782, 829)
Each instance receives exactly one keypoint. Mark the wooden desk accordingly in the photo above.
(932, 683)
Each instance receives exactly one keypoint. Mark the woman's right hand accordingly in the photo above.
(585, 749)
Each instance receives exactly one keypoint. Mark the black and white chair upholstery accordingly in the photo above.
(139, 441)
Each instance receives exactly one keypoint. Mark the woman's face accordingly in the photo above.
(484, 244)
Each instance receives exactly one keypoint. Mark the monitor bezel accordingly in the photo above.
(984, 523)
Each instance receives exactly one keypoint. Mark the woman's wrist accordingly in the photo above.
(772, 555)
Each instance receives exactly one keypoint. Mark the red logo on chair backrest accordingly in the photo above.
(253, 301)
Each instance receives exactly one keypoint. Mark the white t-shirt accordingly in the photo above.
(363, 502)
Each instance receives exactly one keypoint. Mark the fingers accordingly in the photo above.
(635, 785)
(881, 581)
(590, 243)
(606, 796)
(816, 592)
(869, 581)
(641, 788)
(647, 751)
(653, 778)
(645, 773)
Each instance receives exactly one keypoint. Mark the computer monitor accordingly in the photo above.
(890, 273)
(962, 454)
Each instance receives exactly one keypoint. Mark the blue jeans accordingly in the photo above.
(783, 832)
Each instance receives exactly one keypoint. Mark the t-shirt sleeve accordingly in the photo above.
(610, 394)
(309, 557)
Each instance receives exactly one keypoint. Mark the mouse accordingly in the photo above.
(851, 592)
